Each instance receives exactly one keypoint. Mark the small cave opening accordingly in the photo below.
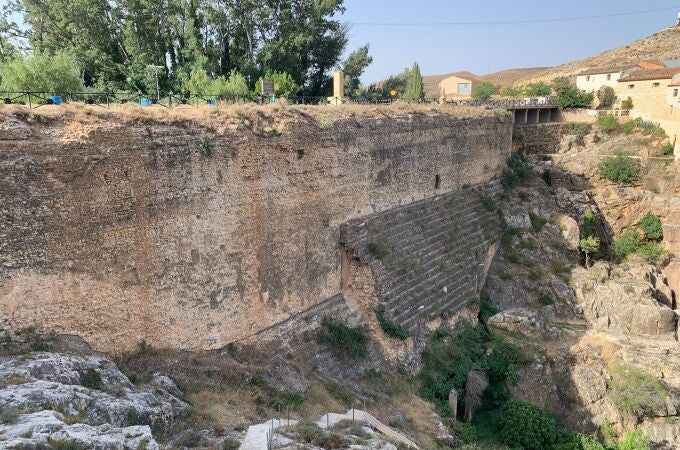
(437, 181)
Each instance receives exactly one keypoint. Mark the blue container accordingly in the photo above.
(55, 99)
(212, 102)
(145, 101)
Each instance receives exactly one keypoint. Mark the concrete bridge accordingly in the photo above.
(527, 111)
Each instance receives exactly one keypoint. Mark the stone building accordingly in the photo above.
(594, 79)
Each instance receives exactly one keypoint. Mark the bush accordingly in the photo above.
(537, 222)
(626, 244)
(511, 92)
(539, 89)
(573, 97)
(588, 223)
(606, 96)
(518, 170)
(608, 122)
(520, 424)
(91, 379)
(351, 341)
(390, 328)
(284, 84)
(340, 393)
(379, 249)
(635, 391)
(667, 149)
(489, 203)
(41, 72)
(651, 251)
(206, 143)
(619, 167)
(651, 227)
(62, 444)
(627, 103)
(233, 86)
(635, 440)
(650, 128)
(231, 443)
(308, 432)
(483, 91)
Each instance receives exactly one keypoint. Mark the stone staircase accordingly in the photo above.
(437, 250)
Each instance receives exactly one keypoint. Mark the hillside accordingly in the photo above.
(662, 45)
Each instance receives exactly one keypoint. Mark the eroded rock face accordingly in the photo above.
(615, 299)
(111, 407)
(38, 429)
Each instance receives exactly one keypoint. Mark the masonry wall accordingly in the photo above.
(122, 231)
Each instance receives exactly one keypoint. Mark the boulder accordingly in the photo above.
(517, 217)
(570, 230)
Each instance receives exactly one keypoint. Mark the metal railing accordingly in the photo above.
(510, 103)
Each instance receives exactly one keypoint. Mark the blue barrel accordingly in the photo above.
(212, 102)
(145, 101)
(54, 100)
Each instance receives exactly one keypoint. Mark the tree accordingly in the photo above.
(414, 84)
(606, 96)
(511, 92)
(589, 245)
(627, 103)
(41, 73)
(354, 66)
(484, 91)
(572, 97)
(539, 89)
(520, 424)
(560, 83)
(284, 84)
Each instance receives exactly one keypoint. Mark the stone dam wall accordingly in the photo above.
(126, 230)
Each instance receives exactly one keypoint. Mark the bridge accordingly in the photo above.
(527, 111)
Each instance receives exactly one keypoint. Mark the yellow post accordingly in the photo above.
(338, 88)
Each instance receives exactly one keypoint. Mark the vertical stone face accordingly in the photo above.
(123, 232)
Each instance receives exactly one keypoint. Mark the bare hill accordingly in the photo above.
(662, 45)
(508, 77)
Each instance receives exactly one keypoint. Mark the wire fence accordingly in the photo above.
(105, 99)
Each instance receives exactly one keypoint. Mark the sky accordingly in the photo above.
(487, 47)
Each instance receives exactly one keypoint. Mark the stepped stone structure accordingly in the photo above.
(194, 233)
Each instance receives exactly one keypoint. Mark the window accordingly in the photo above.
(631, 86)
(464, 89)
(656, 84)
(588, 78)
(609, 76)
(675, 92)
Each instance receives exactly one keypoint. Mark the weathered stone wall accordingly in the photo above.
(542, 139)
(123, 231)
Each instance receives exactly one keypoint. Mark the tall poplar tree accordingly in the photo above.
(414, 84)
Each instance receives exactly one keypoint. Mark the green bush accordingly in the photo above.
(588, 223)
(667, 149)
(651, 251)
(62, 444)
(626, 244)
(627, 103)
(350, 341)
(650, 128)
(635, 440)
(483, 91)
(538, 89)
(546, 299)
(308, 432)
(537, 222)
(284, 84)
(619, 167)
(606, 96)
(651, 227)
(206, 144)
(464, 431)
(340, 393)
(577, 441)
(379, 248)
(520, 424)
(390, 328)
(91, 379)
(231, 443)
(573, 97)
(489, 203)
(608, 122)
(518, 170)
(9, 415)
(511, 92)
(635, 391)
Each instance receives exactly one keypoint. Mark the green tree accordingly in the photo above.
(538, 89)
(572, 97)
(606, 96)
(232, 86)
(627, 103)
(484, 91)
(354, 66)
(560, 83)
(41, 73)
(626, 244)
(589, 245)
(511, 92)
(284, 84)
(414, 84)
(520, 424)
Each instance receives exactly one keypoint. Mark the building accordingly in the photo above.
(653, 93)
(459, 85)
(594, 79)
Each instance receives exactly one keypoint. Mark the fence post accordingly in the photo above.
(29, 101)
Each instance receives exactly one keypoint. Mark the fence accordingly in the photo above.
(511, 103)
(106, 99)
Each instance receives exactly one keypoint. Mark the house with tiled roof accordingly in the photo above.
(594, 79)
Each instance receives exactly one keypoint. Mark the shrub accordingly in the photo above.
(409, 264)
(537, 222)
(573, 97)
(379, 248)
(62, 444)
(650, 128)
(651, 251)
(667, 149)
(233, 86)
(627, 103)
(520, 424)
(489, 203)
(578, 441)
(518, 170)
(608, 122)
(546, 299)
(206, 143)
(41, 72)
(340, 393)
(511, 92)
(464, 431)
(351, 341)
(539, 89)
(588, 223)
(91, 379)
(635, 391)
(619, 167)
(308, 432)
(635, 440)
(9, 415)
(284, 84)
(651, 227)
(483, 91)
(606, 96)
(626, 244)
(390, 328)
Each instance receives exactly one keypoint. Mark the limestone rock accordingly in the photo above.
(37, 429)
(517, 217)
(619, 301)
(570, 230)
(453, 402)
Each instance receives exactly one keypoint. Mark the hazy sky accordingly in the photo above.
(487, 48)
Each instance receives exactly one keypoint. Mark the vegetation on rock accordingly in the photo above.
(619, 167)
(520, 424)
(588, 246)
(390, 328)
(635, 391)
(350, 341)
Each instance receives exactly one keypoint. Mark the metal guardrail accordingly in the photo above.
(538, 102)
